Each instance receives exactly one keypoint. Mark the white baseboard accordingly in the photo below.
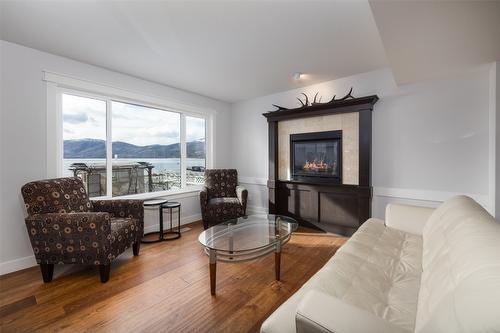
(17, 264)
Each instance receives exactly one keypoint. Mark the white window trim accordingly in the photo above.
(57, 84)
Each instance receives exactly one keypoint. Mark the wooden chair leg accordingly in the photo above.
(136, 247)
(104, 272)
(47, 272)
(205, 225)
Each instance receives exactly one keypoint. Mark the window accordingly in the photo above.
(146, 149)
(121, 148)
(195, 151)
(84, 141)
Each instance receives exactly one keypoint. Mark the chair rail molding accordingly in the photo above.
(252, 180)
(427, 195)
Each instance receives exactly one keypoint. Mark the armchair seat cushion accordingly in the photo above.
(124, 232)
(223, 209)
(226, 200)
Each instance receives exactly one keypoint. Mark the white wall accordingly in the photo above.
(495, 136)
(23, 136)
(497, 143)
(430, 140)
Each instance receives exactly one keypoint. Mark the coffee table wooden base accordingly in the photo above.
(212, 259)
(245, 239)
(277, 264)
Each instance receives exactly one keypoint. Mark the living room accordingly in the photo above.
(358, 141)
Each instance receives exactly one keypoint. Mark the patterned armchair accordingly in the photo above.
(65, 227)
(222, 198)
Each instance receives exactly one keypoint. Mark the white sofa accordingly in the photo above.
(422, 270)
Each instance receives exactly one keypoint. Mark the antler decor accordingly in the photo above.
(306, 103)
(280, 107)
(316, 101)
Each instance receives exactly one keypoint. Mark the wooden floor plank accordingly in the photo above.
(166, 288)
(13, 307)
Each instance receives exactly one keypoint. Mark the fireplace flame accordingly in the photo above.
(315, 166)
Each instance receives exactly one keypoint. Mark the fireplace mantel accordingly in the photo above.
(337, 208)
(337, 107)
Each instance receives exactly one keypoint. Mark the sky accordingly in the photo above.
(85, 118)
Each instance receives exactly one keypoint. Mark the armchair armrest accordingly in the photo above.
(319, 312)
(203, 201)
(121, 208)
(242, 194)
(204, 196)
(70, 237)
(407, 218)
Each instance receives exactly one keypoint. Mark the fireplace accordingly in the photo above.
(316, 157)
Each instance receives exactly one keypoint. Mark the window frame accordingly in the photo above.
(57, 85)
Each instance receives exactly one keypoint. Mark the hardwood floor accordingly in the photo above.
(165, 289)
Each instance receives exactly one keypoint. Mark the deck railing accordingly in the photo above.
(132, 178)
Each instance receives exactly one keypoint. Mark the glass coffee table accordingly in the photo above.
(246, 238)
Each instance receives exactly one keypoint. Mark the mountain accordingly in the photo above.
(93, 148)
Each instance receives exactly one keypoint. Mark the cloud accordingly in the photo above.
(94, 121)
(173, 134)
(118, 115)
(76, 118)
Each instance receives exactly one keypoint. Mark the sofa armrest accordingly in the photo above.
(242, 194)
(407, 218)
(319, 312)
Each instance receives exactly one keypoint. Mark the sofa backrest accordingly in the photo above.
(59, 195)
(221, 182)
(460, 284)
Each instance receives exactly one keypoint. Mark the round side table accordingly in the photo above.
(155, 203)
(175, 231)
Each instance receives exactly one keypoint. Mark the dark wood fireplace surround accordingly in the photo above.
(332, 207)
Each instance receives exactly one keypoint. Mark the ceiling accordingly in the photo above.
(236, 50)
(229, 51)
(431, 39)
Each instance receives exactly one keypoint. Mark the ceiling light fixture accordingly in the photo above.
(297, 75)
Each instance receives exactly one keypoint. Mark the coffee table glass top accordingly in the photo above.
(248, 233)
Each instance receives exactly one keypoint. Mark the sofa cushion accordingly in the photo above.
(377, 270)
(460, 287)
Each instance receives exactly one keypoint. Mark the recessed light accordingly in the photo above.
(297, 75)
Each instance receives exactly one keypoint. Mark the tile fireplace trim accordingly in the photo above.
(347, 122)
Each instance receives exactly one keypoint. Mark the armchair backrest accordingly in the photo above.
(221, 183)
(59, 195)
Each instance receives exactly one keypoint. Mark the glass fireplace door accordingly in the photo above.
(316, 156)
